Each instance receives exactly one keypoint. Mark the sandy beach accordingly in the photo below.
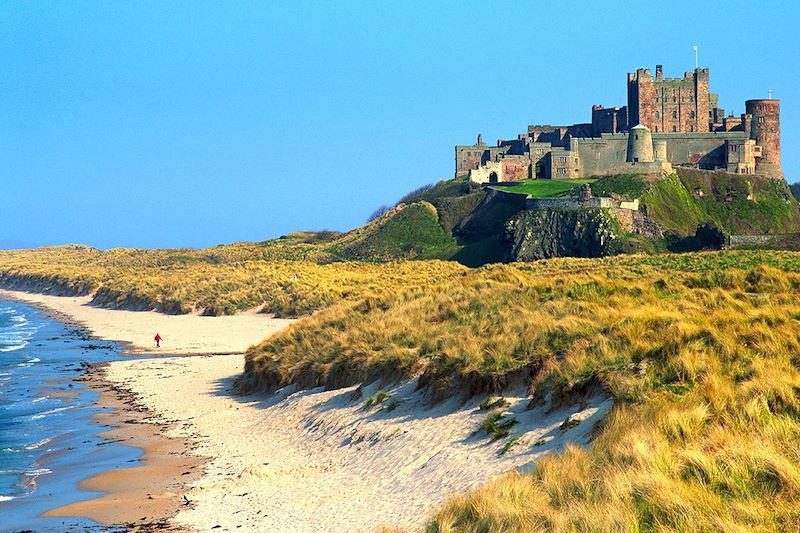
(309, 460)
(319, 461)
(182, 334)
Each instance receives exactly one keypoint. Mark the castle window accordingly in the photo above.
(674, 99)
(691, 114)
(760, 120)
(674, 114)
(658, 115)
(562, 159)
(691, 128)
(562, 171)
(674, 129)
(656, 99)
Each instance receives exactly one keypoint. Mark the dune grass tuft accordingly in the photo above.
(378, 398)
(498, 426)
(698, 352)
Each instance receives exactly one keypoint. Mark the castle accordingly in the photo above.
(668, 121)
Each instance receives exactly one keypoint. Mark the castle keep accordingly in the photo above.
(668, 121)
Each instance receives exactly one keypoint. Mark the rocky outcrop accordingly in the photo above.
(546, 233)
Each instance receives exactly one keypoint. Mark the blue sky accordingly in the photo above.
(161, 124)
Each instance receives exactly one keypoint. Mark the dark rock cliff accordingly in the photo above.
(546, 233)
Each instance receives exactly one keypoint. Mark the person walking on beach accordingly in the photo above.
(158, 340)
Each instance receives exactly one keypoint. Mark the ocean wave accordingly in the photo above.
(34, 360)
(51, 411)
(39, 444)
(13, 347)
(38, 472)
(30, 476)
(12, 340)
(5, 498)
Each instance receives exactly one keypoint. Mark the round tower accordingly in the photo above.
(766, 130)
(640, 145)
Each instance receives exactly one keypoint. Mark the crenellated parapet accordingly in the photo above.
(668, 121)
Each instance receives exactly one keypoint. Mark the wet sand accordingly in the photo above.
(145, 496)
(141, 497)
(300, 461)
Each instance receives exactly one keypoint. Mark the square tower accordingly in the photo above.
(669, 104)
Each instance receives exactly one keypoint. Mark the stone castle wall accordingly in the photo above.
(669, 104)
(686, 126)
(568, 203)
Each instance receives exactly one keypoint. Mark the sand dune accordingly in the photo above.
(301, 461)
(318, 461)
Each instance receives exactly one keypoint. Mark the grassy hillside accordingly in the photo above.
(442, 189)
(215, 281)
(738, 204)
(472, 223)
(408, 231)
(293, 275)
(698, 352)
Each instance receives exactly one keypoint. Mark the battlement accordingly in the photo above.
(644, 73)
(683, 125)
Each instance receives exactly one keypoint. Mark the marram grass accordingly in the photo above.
(700, 352)
(215, 281)
(701, 358)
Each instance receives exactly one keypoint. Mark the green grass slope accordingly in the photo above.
(409, 231)
(737, 204)
(544, 188)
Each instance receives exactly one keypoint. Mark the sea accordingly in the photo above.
(48, 439)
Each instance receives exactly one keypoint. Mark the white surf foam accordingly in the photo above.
(51, 411)
(38, 444)
(13, 347)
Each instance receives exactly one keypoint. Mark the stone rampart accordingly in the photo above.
(568, 203)
(746, 241)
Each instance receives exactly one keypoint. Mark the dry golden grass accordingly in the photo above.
(700, 357)
(215, 281)
(700, 352)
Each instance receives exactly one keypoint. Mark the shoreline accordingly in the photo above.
(145, 496)
(134, 330)
(302, 459)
